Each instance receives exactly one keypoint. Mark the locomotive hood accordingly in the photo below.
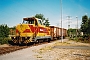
(23, 30)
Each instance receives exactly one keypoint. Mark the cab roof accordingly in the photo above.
(29, 18)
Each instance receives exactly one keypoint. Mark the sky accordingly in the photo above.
(12, 12)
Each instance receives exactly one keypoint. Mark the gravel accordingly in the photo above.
(4, 45)
(48, 52)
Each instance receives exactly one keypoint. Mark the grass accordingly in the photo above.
(4, 40)
(61, 44)
(49, 48)
(42, 50)
(80, 39)
(38, 56)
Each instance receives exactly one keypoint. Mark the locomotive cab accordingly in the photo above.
(32, 21)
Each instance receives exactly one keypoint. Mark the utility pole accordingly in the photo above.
(69, 25)
(61, 23)
(68, 21)
(77, 27)
(77, 22)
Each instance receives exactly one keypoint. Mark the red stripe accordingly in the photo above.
(32, 28)
(27, 31)
(17, 31)
(37, 29)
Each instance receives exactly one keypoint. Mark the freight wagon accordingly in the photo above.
(56, 32)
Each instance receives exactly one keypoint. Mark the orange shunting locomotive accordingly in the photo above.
(31, 30)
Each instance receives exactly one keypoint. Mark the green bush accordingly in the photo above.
(84, 38)
(4, 30)
(4, 40)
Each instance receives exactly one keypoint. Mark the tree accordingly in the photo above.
(4, 30)
(88, 28)
(71, 32)
(41, 16)
(85, 28)
(47, 22)
(84, 25)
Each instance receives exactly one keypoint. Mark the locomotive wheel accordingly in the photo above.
(37, 41)
(11, 43)
(49, 40)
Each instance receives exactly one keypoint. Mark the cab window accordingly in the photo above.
(29, 22)
(39, 21)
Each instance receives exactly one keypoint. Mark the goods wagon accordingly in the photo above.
(56, 32)
(60, 33)
(64, 33)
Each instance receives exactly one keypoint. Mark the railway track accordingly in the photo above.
(5, 50)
